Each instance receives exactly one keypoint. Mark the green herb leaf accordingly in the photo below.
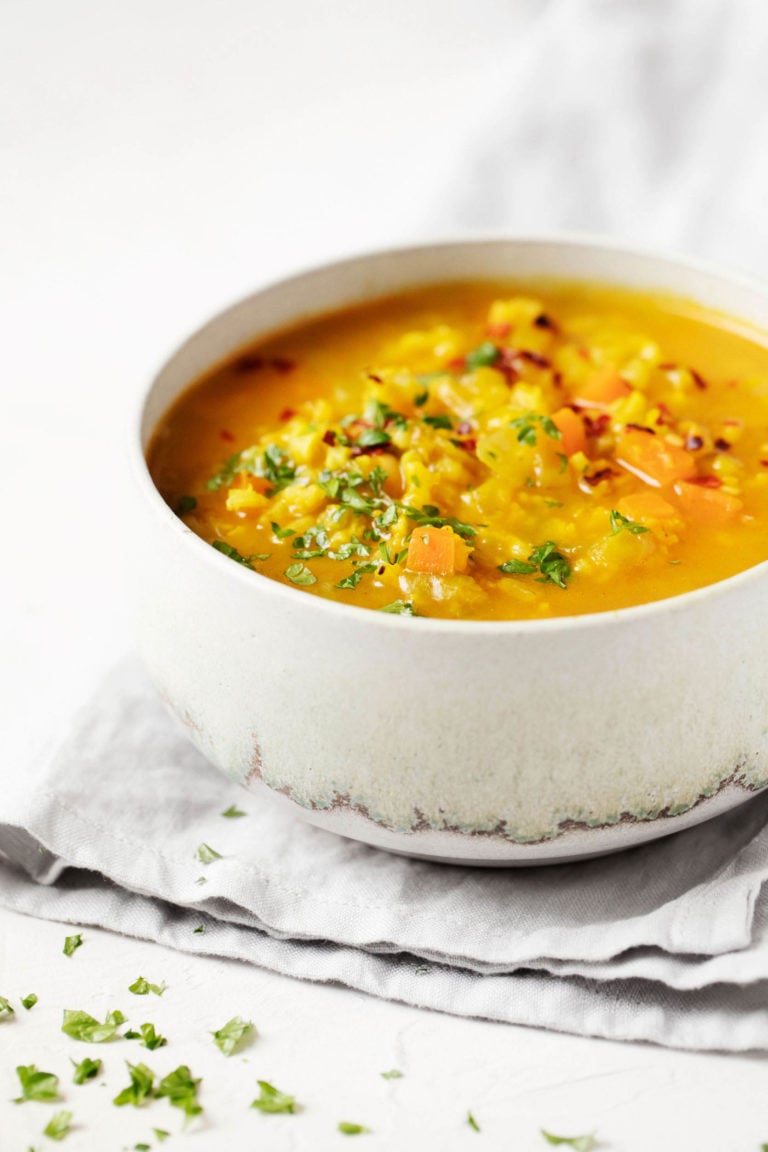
(142, 987)
(227, 472)
(300, 574)
(233, 554)
(58, 1126)
(579, 1143)
(480, 357)
(72, 943)
(140, 1087)
(206, 855)
(517, 568)
(229, 1037)
(355, 577)
(149, 1038)
(553, 566)
(351, 1129)
(36, 1085)
(618, 522)
(199, 930)
(441, 421)
(277, 467)
(272, 1100)
(429, 516)
(185, 505)
(373, 438)
(161, 1134)
(181, 1091)
(28, 1001)
(82, 1026)
(142, 1148)
(400, 608)
(85, 1070)
(526, 427)
(5, 1007)
(421, 398)
(393, 1074)
(232, 812)
(472, 1122)
(281, 533)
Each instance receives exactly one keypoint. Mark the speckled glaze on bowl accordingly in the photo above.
(469, 742)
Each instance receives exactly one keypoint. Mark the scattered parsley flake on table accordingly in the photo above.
(72, 943)
(181, 1091)
(228, 1038)
(272, 1100)
(393, 1074)
(36, 1085)
(578, 1143)
(199, 930)
(472, 1122)
(233, 811)
(351, 1129)
(148, 1037)
(5, 1007)
(142, 987)
(29, 1001)
(58, 1126)
(85, 1070)
(140, 1087)
(206, 855)
(161, 1134)
(82, 1026)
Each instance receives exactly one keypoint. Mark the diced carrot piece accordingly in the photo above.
(645, 506)
(602, 387)
(703, 503)
(654, 459)
(436, 550)
(573, 437)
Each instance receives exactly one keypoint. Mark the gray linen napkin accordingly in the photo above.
(667, 942)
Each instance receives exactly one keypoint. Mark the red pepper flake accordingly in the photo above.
(329, 437)
(733, 423)
(557, 379)
(458, 364)
(641, 428)
(506, 362)
(583, 353)
(534, 358)
(499, 331)
(668, 366)
(764, 463)
(693, 443)
(282, 364)
(469, 445)
(225, 435)
(249, 363)
(464, 428)
(376, 379)
(595, 426)
(601, 474)
(722, 445)
(287, 414)
(707, 481)
(372, 450)
(544, 321)
(698, 380)
(665, 416)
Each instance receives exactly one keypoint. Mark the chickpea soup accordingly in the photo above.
(488, 451)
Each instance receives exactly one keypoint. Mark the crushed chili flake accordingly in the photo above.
(499, 331)
(665, 416)
(764, 463)
(595, 426)
(602, 474)
(287, 414)
(469, 445)
(534, 358)
(376, 379)
(369, 450)
(698, 379)
(641, 428)
(329, 438)
(458, 364)
(227, 436)
(282, 364)
(544, 321)
(707, 481)
(248, 363)
(722, 445)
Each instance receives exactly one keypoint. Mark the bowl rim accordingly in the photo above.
(588, 621)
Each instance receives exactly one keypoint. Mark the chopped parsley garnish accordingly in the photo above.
(228, 1039)
(58, 1126)
(272, 1100)
(472, 1122)
(429, 516)
(233, 554)
(161, 1134)
(400, 608)
(282, 533)
(181, 1091)
(277, 467)
(201, 880)
(526, 427)
(351, 1129)
(355, 577)
(421, 398)
(226, 474)
(36, 1085)
(393, 1074)
(72, 943)
(199, 930)
(82, 1026)
(579, 1143)
(373, 438)
(553, 566)
(87, 1069)
(480, 357)
(206, 855)
(378, 413)
(28, 1001)
(142, 987)
(300, 574)
(148, 1037)
(140, 1087)
(618, 522)
(5, 1007)
(441, 421)
(186, 504)
(563, 461)
(233, 812)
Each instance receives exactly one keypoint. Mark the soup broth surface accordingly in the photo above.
(482, 451)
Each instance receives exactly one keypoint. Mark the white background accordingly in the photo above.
(160, 159)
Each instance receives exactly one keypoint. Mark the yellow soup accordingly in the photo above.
(482, 451)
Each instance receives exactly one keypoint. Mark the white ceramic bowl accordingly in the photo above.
(464, 741)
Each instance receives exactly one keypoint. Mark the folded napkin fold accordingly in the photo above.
(667, 942)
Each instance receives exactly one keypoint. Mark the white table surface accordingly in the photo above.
(156, 161)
